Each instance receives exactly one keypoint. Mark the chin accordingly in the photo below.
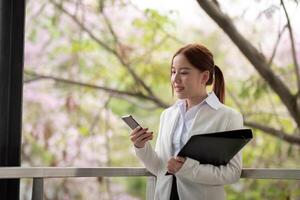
(181, 96)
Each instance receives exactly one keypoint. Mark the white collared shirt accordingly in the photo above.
(186, 118)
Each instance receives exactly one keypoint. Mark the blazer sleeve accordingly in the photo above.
(148, 156)
(215, 175)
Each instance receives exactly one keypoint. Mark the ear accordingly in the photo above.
(205, 77)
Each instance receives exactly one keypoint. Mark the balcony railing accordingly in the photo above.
(38, 174)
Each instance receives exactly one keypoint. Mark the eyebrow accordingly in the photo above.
(183, 68)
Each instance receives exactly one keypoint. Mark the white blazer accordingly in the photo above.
(194, 181)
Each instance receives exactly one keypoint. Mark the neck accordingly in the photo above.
(190, 102)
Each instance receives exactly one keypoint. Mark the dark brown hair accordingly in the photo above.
(202, 59)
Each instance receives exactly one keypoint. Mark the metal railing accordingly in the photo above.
(38, 174)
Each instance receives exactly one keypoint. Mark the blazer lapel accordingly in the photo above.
(171, 121)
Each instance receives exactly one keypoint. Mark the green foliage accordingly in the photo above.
(84, 131)
(32, 36)
(39, 152)
(137, 186)
(253, 88)
(265, 189)
(78, 114)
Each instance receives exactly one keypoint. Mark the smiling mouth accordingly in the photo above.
(179, 89)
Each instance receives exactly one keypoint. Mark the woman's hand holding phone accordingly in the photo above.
(139, 136)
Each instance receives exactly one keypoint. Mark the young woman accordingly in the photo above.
(195, 112)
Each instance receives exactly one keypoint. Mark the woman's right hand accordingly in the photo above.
(140, 136)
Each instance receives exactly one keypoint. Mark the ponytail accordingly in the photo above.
(219, 84)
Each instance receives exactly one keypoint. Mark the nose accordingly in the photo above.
(176, 78)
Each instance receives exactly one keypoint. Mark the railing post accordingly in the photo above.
(151, 182)
(37, 189)
(12, 18)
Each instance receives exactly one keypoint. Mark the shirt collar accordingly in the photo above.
(212, 100)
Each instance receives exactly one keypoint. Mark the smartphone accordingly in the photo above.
(130, 121)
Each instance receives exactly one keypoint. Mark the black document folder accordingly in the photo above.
(215, 148)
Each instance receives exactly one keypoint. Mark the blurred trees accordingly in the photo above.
(89, 62)
(288, 90)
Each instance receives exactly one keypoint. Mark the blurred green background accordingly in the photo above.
(88, 62)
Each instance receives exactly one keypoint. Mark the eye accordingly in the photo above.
(183, 73)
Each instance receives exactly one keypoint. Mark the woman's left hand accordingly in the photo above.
(175, 163)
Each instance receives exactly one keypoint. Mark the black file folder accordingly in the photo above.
(215, 148)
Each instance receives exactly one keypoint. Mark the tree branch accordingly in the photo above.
(109, 49)
(297, 69)
(147, 54)
(110, 28)
(92, 35)
(125, 62)
(177, 40)
(254, 56)
(35, 16)
(276, 45)
(274, 132)
(32, 79)
(111, 91)
(268, 130)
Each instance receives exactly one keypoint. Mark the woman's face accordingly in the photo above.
(187, 81)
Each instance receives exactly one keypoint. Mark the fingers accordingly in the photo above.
(140, 136)
(174, 164)
(145, 137)
(134, 131)
(137, 132)
(172, 168)
(180, 159)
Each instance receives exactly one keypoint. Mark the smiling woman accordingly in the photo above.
(195, 112)
(193, 68)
